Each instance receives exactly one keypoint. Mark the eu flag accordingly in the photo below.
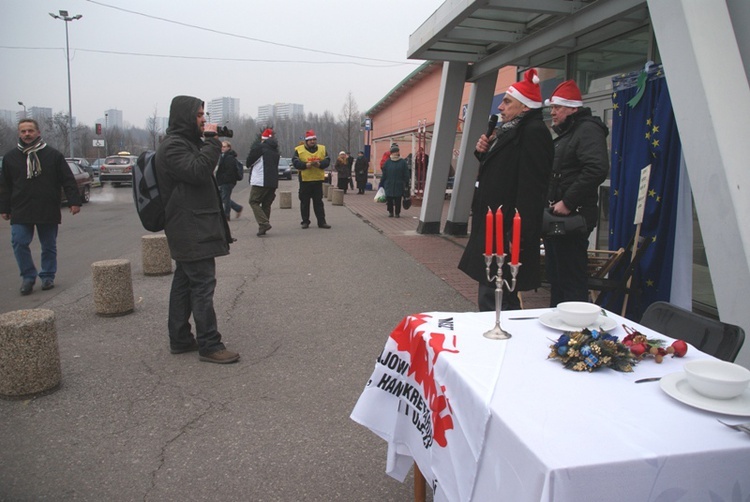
(644, 132)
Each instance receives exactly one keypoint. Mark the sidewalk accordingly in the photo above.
(439, 253)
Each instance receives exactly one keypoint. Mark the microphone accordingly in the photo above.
(491, 125)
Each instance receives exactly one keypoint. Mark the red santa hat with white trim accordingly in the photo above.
(266, 134)
(310, 135)
(527, 91)
(566, 94)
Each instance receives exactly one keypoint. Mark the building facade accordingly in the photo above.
(223, 111)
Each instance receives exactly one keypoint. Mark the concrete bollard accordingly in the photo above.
(113, 288)
(29, 357)
(338, 197)
(285, 200)
(155, 255)
(329, 196)
(326, 188)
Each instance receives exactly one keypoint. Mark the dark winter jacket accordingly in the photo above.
(514, 173)
(343, 168)
(195, 226)
(581, 164)
(395, 178)
(227, 172)
(269, 176)
(36, 200)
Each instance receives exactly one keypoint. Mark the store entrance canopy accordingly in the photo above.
(491, 34)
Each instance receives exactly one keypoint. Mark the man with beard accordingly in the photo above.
(196, 228)
(30, 196)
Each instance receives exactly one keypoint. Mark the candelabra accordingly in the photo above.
(498, 333)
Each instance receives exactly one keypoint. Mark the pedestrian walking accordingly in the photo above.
(264, 178)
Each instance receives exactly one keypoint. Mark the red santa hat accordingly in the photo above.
(310, 135)
(266, 134)
(527, 90)
(566, 94)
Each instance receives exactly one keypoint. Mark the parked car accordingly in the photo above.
(83, 164)
(285, 168)
(83, 180)
(118, 169)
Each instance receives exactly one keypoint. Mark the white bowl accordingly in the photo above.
(717, 379)
(578, 314)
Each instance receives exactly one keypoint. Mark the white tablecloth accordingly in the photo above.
(497, 420)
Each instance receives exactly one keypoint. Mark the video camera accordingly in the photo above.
(224, 131)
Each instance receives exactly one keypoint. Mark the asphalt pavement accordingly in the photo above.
(308, 310)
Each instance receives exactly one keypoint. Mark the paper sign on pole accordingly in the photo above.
(642, 194)
(98, 142)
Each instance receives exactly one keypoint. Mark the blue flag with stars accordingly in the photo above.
(644, 132)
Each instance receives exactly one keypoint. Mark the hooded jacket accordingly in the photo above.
(266, 175)
(195, 226)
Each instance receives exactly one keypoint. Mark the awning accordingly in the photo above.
(491, 34)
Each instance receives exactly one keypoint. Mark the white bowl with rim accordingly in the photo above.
(578, 314)
(717, 379)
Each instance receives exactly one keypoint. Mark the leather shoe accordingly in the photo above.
(27, 287)
(263, 229)
(222, 356)
(324, 225)
(47, 284)
(305, 225)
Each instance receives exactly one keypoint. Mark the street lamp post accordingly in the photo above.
(24, 109)
(65, 17)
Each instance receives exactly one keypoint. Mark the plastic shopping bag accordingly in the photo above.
(380, 195)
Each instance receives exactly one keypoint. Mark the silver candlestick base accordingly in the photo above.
(498, 333)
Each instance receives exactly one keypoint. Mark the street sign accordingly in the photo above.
(99, 142)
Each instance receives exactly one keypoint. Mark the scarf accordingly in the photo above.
(512, 123)
(33, 166)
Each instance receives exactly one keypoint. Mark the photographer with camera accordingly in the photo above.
(196, 228)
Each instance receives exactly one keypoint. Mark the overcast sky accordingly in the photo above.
(136, 55)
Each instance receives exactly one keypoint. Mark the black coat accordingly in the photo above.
(36, 200)
(581, 164)
(361, 165)
(227, 172)
(196, 226)
(514, 173)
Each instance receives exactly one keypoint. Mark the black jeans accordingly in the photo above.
(192, 292)
(312, 190)
(566, 258)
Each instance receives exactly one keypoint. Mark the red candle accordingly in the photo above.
(488, 233)
(499, 231)
(516, 251)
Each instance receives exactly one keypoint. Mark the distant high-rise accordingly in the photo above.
(113, 118)
(280, 111)
(223, 111)
(39, 113)
(7, 116)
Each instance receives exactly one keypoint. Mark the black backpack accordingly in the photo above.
(148, 202)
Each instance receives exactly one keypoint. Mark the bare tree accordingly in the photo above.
(57, 133)
(350, 119)
(152, 126)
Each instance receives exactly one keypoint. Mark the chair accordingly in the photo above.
(601, 262)
(618, 285)
(719, 339)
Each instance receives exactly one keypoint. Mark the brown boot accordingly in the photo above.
(222, 356)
